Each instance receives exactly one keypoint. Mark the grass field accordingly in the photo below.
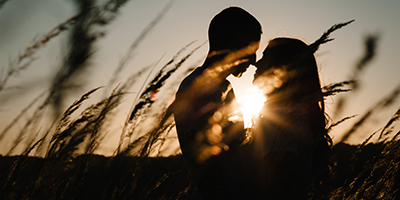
(369, 172)
(59, 161)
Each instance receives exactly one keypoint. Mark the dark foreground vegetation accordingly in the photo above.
(360, 172)
(93, 177)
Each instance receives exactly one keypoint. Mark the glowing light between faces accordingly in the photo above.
(251, 102)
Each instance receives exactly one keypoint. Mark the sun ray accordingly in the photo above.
(251, 102)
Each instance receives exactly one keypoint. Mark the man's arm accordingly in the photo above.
(233, 126)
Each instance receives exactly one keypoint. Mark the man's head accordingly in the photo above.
(233, 29)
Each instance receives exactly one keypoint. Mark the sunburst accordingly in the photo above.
(251, 102)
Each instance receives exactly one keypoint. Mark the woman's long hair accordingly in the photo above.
(299, 84)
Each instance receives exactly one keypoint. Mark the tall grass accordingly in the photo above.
(370, 170)
(60, 163)
(65, 172)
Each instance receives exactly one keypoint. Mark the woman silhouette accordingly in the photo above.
(290, 140)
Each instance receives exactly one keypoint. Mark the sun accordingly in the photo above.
(251, 101)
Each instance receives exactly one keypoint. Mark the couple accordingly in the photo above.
(286, 150)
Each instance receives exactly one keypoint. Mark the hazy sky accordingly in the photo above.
(187, 21)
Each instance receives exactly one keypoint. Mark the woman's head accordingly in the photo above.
(287, 68)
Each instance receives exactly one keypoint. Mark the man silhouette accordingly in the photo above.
(208, 120)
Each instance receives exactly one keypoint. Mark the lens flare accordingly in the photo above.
(251, 103)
